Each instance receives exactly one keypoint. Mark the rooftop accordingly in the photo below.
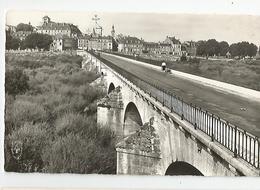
(58, 26)
(173, 39)
(129, 40)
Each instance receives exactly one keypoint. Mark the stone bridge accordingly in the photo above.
(154, 140)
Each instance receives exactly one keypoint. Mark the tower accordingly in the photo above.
(113, 31)
(94, 33)
(97, 27)
(46, 19)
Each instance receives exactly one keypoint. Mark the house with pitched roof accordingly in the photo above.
(63, 42)
(83, 42)
(95, 41)
(130, 45)
(151, 47)
(165, 48)
(104, 43)
(175, 43)
(157, 48)
(53, 28)
(65, 35)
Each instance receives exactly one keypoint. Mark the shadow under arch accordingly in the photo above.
(132, 119)
(111, 88)
(182, 168)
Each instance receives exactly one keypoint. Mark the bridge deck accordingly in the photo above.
(226, 106)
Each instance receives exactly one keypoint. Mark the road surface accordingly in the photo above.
(242, 112)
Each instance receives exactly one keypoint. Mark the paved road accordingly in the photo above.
(225, 105)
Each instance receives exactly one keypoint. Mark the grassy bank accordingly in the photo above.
(47, 125)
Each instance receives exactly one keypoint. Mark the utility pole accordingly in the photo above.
(98, 27)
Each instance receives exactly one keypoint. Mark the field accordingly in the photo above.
(244, 73)
(50, 117)
(238, 72)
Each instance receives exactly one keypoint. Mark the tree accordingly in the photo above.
(38, 41)
(16, 82)
(11, 43)
(24, 27)
(234, 50)
(212, 47)
(243, 49)
(224, 48)
(252, 50)
(201, 48)
(29, 141)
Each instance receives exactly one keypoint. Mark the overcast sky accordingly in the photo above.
(155, 26)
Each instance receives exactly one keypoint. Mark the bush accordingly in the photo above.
(24, 149)
(26, 111)
(72, 123)
(81, 78)
(67, 68)
(194, 60)
(82, 147)
(9, 100)
(24, 27)
(11, 43)
(183, 58)
(16, 82)
(76, 154)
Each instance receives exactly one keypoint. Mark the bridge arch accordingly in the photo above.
(132, 119)
(182, 168)
(111, 87)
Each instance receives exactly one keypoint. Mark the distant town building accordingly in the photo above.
(113, 32)
(157, 48)
(189, 48)
(55, 28)
(258, 53)
(95, 41)
(175, 43)
(104, 43)
(65, 35)
(151, 47)
(61, 43)
(69, 43)
(21, 35)
(57, 44)
(10, 28)
(83, 42)
(130, 45)
(228, 55)
(165, 48)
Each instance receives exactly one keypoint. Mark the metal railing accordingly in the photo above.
(241, 143)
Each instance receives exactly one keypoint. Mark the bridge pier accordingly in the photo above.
(110, 111)
(133, 162)
(139, 153)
